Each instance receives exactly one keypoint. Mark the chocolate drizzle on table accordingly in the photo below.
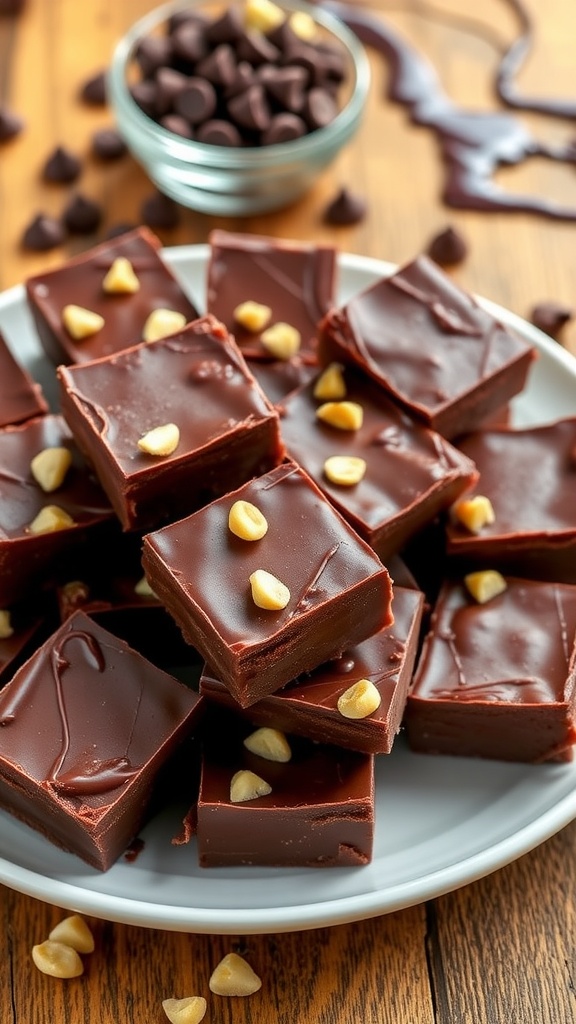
(473, 144)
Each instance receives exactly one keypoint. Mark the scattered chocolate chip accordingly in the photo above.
(158, 211)
(82, 215)
(43, 233)
(108, 144)
(448, 248)
(345, 208)
(197, 101)
(219, 133)
(62, 166)
(93, 91)
(551, 317)
(10, 125)
(283, 128)
(177, 125)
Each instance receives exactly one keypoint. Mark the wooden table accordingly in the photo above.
(502, 949)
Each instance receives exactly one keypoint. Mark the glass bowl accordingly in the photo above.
(227, 180)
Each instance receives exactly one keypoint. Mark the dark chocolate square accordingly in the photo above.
(340, 592)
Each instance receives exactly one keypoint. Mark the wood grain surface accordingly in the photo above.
(501, 950)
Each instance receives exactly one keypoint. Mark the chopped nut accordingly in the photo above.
(161, 323)
(160, 440)
(57, 959)
(359, 700)
(6, 628)
(343, 415)
(50, 519)
(485, 584)
(190, 1010)
(50, 466)
(81, 323)
(345, 470)
(267, 591)
(143, 588)
(474, 513)
(270, 744)
(121, 279)
(73, 931)
(253, 316)
(245, 785)
(303, 25)
(246, 521)
(281, 340)
(330, 385)
(262, 15)
(234, 977)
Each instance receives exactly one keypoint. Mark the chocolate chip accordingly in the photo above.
(250, 109)
(177, 125)
(61, 166)
(285, 85)
(93, 91)
(43, 233)
(448, 248)
(169, 84)
(179, 18)
(189, 42)
(158, 211)
(256, 49)
(10, 125)
(152, 53)
(219, 67)
(284, 37)
(227, 28)
(145, 94)
(551, 317)
(345, 208)
(82, 215)
(197, 101)
(244, 75)
(108, 144)
(219, 133)
(320, 108)
(283, 127)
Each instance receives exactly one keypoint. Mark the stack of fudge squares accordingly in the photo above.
(259, 537)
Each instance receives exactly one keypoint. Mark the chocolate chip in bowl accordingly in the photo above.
(235, 109)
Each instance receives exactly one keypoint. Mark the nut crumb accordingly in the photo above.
(81, 323)
(281, 340)
(360, 700)
(121, 278)
(246, 521)
(190, 1010)
(161, 440)
(342, 415)
(161, 323)
(73, 931)
(271, 744)
(57, 959)
(330, 385)
(474, 513)
(50, 519)
(345, 470)
(253, 316)
(50, 466)
(268, 592)
(6, 628)
(246, 785)
(234, 977)
(485, 585)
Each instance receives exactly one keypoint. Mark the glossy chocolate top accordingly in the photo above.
(295, 279)
(195, 379)
(530, 477)
(516, 649)
(79, 281)
(22, 498)
(308, 547)
(408, 466)
(99, 713)
(423, 338)
(21, 397)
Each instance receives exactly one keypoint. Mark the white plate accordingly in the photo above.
(440, 822)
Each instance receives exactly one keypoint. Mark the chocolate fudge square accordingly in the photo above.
(339, 592)
(308, 706)
(21, 397)
(529, 475)
(497, 680)
(80, 281)
(196, 380)
(295, 280)
(319, 812)
(30, 552)
(430, 345)
(104, 723)
(412, 473)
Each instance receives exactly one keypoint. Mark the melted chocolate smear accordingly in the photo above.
(473, 144)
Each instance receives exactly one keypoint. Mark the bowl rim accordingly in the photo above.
(229, 156)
